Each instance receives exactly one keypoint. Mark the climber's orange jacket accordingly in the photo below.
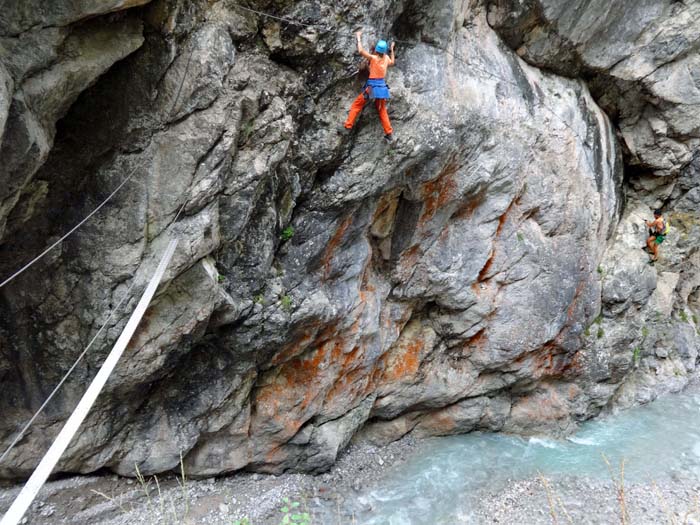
(378, 66)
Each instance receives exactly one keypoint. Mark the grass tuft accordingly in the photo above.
(287, 233)
(286, 302)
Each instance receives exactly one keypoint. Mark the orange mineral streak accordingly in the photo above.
(440, 423)
(571, 311)
(439, 191)
(332, 246)
(408, 261)
(353, 377)
(276, 455)
(292, 350)
(478, 340)
(485, 270)
(466, 210)
(502, 221)
(279, 400)
(404, 361)
(309, 337)
(386, 211)
(550, 361)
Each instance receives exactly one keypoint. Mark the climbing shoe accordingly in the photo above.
(389, 138)
(344, 131)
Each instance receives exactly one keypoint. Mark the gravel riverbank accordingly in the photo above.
(586, 501)
(110, 500)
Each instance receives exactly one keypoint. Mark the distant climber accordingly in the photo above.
(658, 229)
(375, 88)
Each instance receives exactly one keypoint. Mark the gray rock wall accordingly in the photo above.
(483, 272)
(641, 61)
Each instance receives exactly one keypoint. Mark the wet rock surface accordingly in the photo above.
(482, 272)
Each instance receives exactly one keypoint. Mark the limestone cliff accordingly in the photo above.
(483, 272)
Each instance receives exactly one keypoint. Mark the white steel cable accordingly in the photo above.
(46, 465)
(70, 232)
(22, 432)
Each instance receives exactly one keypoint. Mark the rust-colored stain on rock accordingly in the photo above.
(408, 261)
(332, 246)
(439, 191)
(404, 362)
(478, 340)
(440, 422)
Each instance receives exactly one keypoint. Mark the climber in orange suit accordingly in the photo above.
(375, 88)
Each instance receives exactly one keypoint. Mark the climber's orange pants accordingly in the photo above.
(359, 104)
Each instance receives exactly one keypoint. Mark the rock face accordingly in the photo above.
(642, 65)
(483, 272)
(46, 64)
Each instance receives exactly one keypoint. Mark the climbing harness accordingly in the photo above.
(376, 89)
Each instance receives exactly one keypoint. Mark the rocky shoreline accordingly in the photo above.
(583, 500)
(257, 498)
(113, 500)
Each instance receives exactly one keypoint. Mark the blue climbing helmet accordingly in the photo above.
(381, 47)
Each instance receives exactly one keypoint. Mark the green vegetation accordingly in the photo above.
(286, 302)
(598, 320)
(247, 131)
(636, 354)
(287, 233)
(259, 299)
(695, 319)
(683, 316)
(291, 514)
(520, 236)
(645, 332)
(221, 278)
(600, 270)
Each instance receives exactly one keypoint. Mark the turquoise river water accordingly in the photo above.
(656, 441)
